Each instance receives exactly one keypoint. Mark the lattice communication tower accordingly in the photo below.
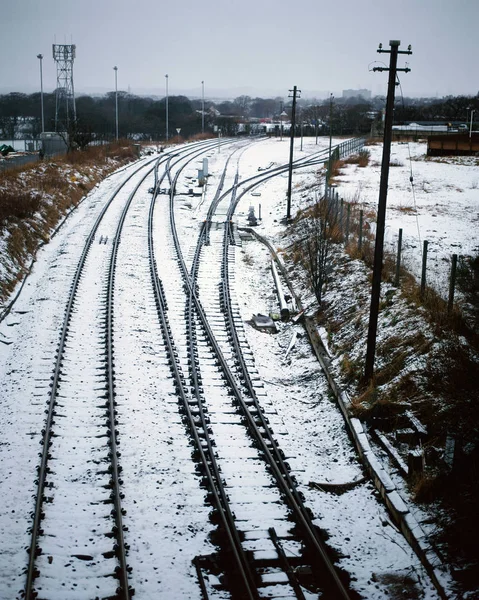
(65, 109)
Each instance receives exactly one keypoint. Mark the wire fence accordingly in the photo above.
(355, 229)
(349, 147)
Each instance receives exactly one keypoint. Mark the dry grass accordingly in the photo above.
(361, 159)
(352, 370)
(201, 136)
(373, 141)
(408, 210)
(34, 198)
(18, 204)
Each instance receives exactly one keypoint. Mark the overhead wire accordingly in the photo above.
(411, 175)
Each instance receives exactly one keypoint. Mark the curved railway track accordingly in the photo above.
(56, 440)
(268, 545)
(244, 571)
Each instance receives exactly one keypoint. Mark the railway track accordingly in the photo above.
(70, 516)
(83, 542)
(259, 562)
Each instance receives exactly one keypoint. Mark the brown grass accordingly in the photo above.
(351, 369)
(361, 159)
(34, 198)
(18, 204)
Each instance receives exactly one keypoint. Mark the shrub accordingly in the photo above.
(18, 204)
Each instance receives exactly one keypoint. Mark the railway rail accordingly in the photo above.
(251, 412)
(49, 488)
(205, 349)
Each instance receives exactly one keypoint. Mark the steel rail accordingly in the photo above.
(273, 458)
(273, 454)
(124, 592)
(247, 574)
(303, 162)
(281, 470)
(207, 456)
(288, 487)
(47, 431)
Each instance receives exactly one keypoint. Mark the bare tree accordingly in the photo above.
(243, 103)
(321, 231)
(76, 135)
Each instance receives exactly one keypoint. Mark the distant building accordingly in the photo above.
(365, 94)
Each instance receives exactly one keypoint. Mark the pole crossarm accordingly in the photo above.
(405, 70)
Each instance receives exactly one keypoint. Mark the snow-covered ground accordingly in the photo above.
(317, 446)
(441, 207)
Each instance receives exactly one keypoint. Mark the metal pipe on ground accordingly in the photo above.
(283, 305)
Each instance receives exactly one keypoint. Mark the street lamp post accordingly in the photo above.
(40, 56)
(470, 127)
(116, 101)
(202, 107)
(166, 78)
(283, 114)
(301, 117)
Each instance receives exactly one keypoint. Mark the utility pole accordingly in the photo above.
(166, 105)
(40, 56)
(328, 173)
(281, 119)
(202, 107)
(383, 190)
(291, 148)
(116, 102)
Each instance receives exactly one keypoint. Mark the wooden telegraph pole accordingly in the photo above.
(291, 148)
(383, 190)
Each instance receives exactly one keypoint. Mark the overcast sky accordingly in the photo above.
(254, 47)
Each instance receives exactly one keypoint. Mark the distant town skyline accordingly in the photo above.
(255, 48)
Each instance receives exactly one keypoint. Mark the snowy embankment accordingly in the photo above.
(35, 200)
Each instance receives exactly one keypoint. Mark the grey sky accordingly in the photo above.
(257, 47)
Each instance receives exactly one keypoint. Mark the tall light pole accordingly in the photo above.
(166, 77)
(202, 107)
(281, 119)
(116, 101)
(40, 56)
(470, 128)
(283, 114)
(301, 127)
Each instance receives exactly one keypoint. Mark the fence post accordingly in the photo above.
(360, 241)
(398, 261)
(424, 264)
(341, 217)
(452, 283)
(348, 216)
